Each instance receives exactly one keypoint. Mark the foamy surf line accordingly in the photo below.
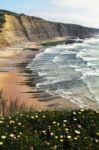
(68, 67)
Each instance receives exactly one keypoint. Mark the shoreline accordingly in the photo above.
(16, 81)
(13, 78)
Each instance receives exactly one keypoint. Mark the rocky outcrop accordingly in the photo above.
(17, 28)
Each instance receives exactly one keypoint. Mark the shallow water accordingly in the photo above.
(70, 71)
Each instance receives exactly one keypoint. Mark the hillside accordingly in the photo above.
(17, 28)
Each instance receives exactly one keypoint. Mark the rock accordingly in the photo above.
(71, 41)
(18, 28)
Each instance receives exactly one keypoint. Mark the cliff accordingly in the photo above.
(17, 28)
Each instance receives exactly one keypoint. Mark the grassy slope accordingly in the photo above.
(61, 130)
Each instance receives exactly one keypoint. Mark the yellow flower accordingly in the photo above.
(1, 143)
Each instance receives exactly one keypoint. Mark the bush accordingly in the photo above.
(50, 130)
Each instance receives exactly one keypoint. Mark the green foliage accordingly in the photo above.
(50, 130)
(2, 12)
(2, 20)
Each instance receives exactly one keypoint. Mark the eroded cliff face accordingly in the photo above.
(15, 28)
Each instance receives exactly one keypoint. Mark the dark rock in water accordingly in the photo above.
(71, 41)
(31, 49)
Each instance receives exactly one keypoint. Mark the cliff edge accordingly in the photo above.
(17, 28)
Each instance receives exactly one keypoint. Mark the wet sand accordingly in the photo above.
(13, 79)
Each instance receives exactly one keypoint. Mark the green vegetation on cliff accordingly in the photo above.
(2, 20)
(50, 130)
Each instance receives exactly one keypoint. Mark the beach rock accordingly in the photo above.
(71, 41)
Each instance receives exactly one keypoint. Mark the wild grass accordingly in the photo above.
(22, 128)
(9, 107)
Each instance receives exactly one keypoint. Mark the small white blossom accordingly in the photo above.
(75, 138)
(1, 122)
(77, 132)
(44, 116)
(64, 120)
(69, 137)
(11, 135)
(74, 113)
(12, 122)
(1, 143)
(3, 137)
(19, 123)
(32, 117)
(51, 133)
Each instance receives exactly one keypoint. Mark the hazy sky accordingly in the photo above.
(84, 12)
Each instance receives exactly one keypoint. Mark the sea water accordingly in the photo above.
(70, 71)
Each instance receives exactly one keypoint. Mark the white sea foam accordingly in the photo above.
(42, 73)
(61, 63)
(57, 59)
(38, 56)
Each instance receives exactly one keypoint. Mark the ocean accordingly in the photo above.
(70, 71)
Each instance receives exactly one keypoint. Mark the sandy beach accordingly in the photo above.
(12, 79)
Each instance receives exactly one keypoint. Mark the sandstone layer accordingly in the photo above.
(18, 28)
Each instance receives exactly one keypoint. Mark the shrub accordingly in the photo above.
(50, 130)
